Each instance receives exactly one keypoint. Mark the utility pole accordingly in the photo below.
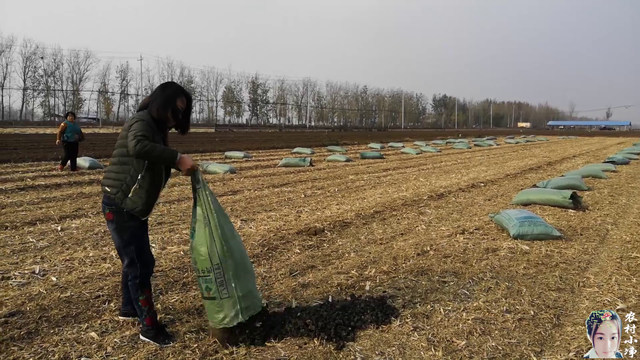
(513, 115)
(491, 112)
(456, 113)
(308, 106)
(403, 109)
(470, 126)
(140, 59)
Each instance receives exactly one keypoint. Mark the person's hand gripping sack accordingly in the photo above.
(186, 165)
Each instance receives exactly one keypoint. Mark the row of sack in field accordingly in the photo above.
(558, 192)
(217, 168)
(88, 163)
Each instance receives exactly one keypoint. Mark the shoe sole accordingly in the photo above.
(127, 318)
(153, 342)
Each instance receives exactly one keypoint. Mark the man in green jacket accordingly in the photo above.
(140, 168)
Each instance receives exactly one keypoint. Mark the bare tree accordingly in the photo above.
(609, 113)
(7, 48)
(105, 99)
(279, 100)
(572, 109)
(123, 79)
(79, 64)
(28, 62)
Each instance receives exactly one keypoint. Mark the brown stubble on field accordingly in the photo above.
(415, 228)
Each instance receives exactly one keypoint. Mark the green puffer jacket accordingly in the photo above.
(140, 166)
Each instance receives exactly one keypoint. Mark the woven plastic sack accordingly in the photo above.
(631, 150)
(411, 151)
(458, 141)
(338, 158)
(225, 275)
(477, 140)
(617, 160)
(450, 141)
(628, 156)
(587, 173)
(376, 146)
(604, 167)
(337, 149)
(420, 143)
(371, 155)
(87, 163)
(215, 168)
(542, 139)
(525, 225)
(429, 149)
(438, 142)
(510, 137)
(564, 183)
(462, 146)
(491, 138)
(559, 198)
(236, 155)
(295, 162)
(302, 151)
(512, 141)
(396, 145)
(481, 144)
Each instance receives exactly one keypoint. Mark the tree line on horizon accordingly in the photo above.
(38, 82)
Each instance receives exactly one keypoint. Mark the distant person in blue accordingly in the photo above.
(70, 135)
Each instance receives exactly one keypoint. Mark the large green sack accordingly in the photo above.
(510, 137)
(236, 155)
(376, 146)
(564, 183)
(396, 145)
(438, 142)
(295, 162)
(429, 149)
(481, 144)
(475, 140)
(215, 168)
(587, 173)
(420, 143)
(562, 138)
(542, 139)
(461, 146)
(529, 140)
(225, 275)
(636, 144)
(617, 160)
(303, 151)
(337, 149)
(512, 141)
(525, 225)
(631, 150)
(87, 163)
(338, 158)
(459, 141)
(628, 156)
(411, 151)
(602, 167)
(572, 137)
(491, 143)
(559, 198)
(371, 155)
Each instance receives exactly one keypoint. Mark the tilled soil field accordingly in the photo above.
(39, 144)
(374, 259)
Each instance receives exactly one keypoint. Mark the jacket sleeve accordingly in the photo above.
(141, 146)
(61, 130)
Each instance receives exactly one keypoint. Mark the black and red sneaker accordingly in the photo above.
(128, 314)
(157, 335)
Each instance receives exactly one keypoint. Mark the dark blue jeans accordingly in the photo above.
(130, 236)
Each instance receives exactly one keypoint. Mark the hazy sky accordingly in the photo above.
(587, 51)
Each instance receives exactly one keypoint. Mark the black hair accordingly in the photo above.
(70, 113)
(162, 102)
